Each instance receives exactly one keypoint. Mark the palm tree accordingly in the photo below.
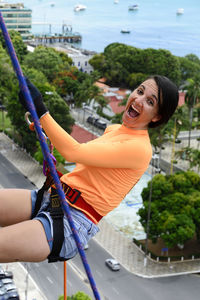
(192, 94)
(102, 102)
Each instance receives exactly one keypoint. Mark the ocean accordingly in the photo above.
(154, 25)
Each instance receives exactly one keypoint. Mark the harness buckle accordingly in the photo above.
(74, 197)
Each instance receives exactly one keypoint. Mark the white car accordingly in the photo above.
(112, 264)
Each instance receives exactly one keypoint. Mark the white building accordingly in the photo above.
(17, 17)
(80, 58)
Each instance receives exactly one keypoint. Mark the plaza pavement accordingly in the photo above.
(119, 246)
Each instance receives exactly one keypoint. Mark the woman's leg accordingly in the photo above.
(15, 206)
(25, 241)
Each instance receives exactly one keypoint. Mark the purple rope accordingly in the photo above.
(46, 152)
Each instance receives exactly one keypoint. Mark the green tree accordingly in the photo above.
(175, 204)
(98, 62)
(19, 46)
(102, 102)
(86, 92)
(192, 94)
(159, 136)
(120, 62)
(59, 110)
(77, 296)
(189, 67)
(38, 155)
(66, 82)
(7, 78)
(56, 105)
(47, 60)
(135, 79)
(26, 138)
(191, 155)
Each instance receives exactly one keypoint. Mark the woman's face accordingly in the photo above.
(142, 106)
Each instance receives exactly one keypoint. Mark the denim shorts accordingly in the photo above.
(86, 229)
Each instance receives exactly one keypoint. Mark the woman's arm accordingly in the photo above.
(108, 154)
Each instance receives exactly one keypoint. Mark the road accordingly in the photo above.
(111, 285)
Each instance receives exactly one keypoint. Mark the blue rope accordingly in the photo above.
(46, 152)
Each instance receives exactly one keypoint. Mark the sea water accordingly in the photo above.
(124, 217)
(154, 25)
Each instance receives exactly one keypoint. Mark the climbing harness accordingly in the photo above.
(46, 152)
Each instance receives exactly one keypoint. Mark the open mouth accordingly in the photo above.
(132, 112)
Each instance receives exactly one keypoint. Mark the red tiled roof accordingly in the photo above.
(81, 135)
(104, 87)
(114, 104)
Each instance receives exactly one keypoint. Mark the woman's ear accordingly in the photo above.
(156, 118)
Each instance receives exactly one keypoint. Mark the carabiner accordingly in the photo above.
(31, 124)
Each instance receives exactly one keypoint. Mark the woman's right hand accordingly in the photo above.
(36, 97)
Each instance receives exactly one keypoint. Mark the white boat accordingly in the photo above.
(116, 1)
(79, 7)
(180, 11)
(133, 7)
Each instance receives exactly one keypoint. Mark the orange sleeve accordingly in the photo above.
(97, 153)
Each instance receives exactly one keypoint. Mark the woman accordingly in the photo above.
(106, 169)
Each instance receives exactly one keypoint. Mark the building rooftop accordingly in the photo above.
(81, 135)
(11, 5)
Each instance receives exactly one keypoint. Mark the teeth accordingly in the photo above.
(134, 108)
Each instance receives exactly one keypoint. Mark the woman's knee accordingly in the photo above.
(25, 241)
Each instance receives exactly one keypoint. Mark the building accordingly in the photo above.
(18, 18)
(80, 58)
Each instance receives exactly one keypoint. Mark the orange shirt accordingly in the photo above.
(107, 167)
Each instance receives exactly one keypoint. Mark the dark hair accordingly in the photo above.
(168, 97)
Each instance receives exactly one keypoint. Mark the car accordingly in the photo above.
(86, 247)
(100, 124)
(13, 295)
(97, 122)
(177, 141)
(6, 280)
(10, 287)
(3, 293)
(5, 274)
(91, 120)
(112, 264)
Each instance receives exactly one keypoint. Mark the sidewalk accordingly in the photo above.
(120, 247)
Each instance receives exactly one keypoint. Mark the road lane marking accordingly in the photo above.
(49, 279)
(116, 291)
(99, 273)
(69, 282)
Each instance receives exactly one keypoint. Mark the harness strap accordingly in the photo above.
(56, 213)
(47, 184)
(75, 200)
